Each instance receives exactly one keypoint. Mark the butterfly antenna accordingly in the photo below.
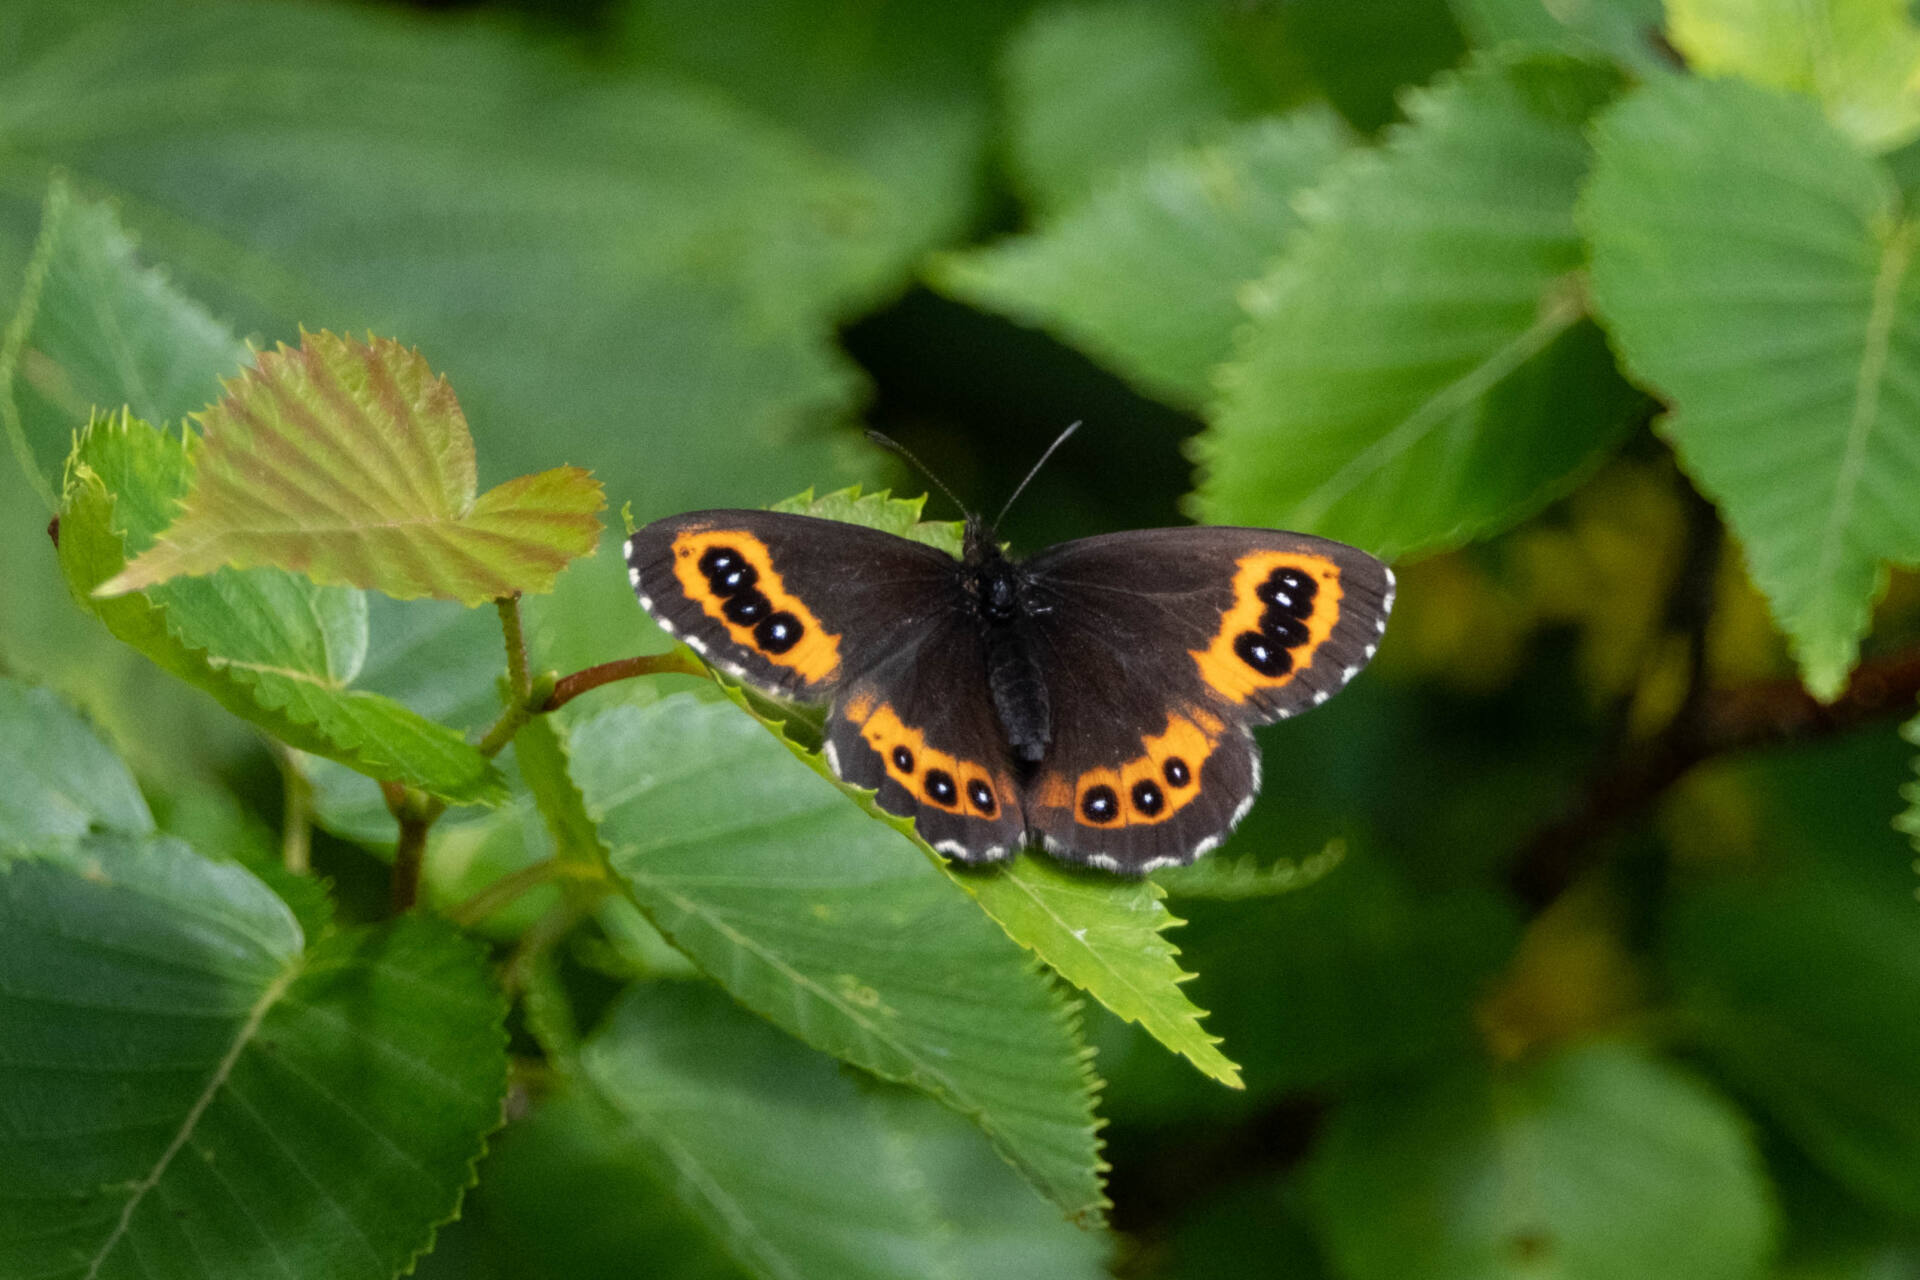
(1058, 441)
(888, 442)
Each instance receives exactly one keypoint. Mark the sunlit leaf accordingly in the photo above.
(271, 646)
(1189, 230)
(196, 1089)
(351, 463)
(61, 779)
(830, 925)
(1419, 370)
(1860, 59)
(1755, 268)
(1601, 1163)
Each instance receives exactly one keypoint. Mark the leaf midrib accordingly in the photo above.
(1561, 306)
(221, 1073)
(1895, 258)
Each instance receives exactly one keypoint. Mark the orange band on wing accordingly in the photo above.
(784, 632)
(1250, 652)
(933, 777)
(1150, 788)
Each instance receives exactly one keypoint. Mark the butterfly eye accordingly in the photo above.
(1289, 631)
(1176, 772)
(903, 759)
(940, 788)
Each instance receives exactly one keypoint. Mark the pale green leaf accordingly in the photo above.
(831, 926)
(198, 1091)
(1801, 990)
(1419, 370)
(1185, 231)
(1600, 1163)
(95, 330)
(351, 462)
(1756, 269)
(1233, 880)
(1860, 59)
(271, 646)
(60, 778)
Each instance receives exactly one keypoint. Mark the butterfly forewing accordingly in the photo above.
(791, 604)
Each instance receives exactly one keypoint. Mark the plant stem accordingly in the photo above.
(296, 813)
(518, 681)
(567, 688)
(416, 813)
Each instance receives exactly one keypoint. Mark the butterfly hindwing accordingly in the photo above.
(791, 604)
(920, 731)
(1162, 648)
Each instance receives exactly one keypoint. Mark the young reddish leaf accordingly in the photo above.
(351, 463)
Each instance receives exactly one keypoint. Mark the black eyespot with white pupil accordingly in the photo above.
(982, 796)
(747, 608)
(1175, 771)
(903, 759)
(1148, 798)
(1100, 804)
(1262, 653)
(778, 632)
(1289, 591)
(727, 571)
(940, 788)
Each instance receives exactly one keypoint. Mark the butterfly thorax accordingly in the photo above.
(998, 591)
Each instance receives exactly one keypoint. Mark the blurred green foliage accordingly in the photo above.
(1574, 940)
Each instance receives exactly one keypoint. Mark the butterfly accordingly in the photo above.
(1095, 699)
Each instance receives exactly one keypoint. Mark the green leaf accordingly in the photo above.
(882, 511)
(1093, 90)
(905, 101)
(703, 1143)
(569, 231)
(1801, 990)
(1107, 937)
(1366, 56)
(271, 646)
(829, 925)
(213, 1095)
(1419, 371)
(1628, 31)
(768, 1144)
(1602, 1163)
(61, 779)
(1857, 58)
(1192, 229)
(95, 330)
(351, 462)
(1754, 268)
